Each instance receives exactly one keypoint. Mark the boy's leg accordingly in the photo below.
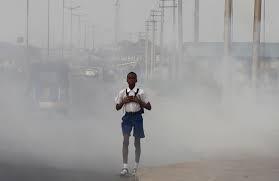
(138, 134)
(137, 149)
(137, 155)
(125, 148)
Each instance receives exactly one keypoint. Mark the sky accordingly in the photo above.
(133, 13)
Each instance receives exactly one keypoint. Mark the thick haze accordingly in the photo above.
(201, 116)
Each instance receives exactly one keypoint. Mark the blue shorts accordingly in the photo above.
(133, 121)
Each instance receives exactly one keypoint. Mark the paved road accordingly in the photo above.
(229, 170)
(37, 172)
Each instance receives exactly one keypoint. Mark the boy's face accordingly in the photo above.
(131, 79)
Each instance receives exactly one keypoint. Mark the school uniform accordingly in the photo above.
(132, 118)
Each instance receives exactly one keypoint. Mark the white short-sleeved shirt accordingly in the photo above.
(132, 106)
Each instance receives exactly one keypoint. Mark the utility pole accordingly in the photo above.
(153, 15)
(174, 65)
(228, 27)
(180, 37)
(93, 37)
(27, 24)
(147, 58)
(171, 4)
(79, 31)
(256, 41)
(26, 63)
(227, 78)
(63, 27)
(163, 5)
(162, 30)
(174, 6)
(153, 52)
(85, 36)
(197, 21)
(153, 46)
(79, 27)
(71, 36)
(263, 20)
(48, 27)
(263, 64)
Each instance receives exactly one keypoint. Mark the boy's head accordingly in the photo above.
(132, 78)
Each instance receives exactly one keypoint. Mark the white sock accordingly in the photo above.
(136, 165)
(125, 165)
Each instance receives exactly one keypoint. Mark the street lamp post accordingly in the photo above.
(63, 27)
(27, 23)
(48, 24)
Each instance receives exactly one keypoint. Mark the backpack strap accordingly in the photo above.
(137, 92)
(127, 93)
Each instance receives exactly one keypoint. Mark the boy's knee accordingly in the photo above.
(126, 142)
(137, 144)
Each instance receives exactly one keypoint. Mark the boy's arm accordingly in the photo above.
(119, 106)
(143, 104)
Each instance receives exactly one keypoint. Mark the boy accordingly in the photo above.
(134, 101)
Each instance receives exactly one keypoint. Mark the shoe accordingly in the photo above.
(134, 171)
(124, 172)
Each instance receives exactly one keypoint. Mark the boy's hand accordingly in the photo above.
(128, 99)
